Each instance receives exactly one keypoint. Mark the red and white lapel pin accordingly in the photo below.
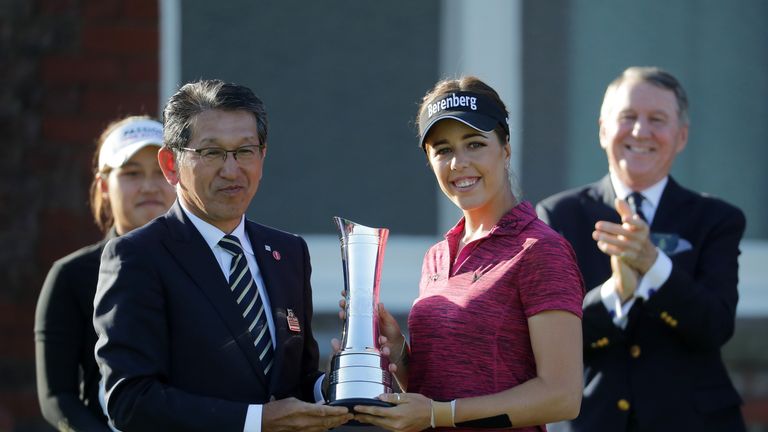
(275, 254)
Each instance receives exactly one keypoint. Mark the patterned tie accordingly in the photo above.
(635, 200)
(247, 296)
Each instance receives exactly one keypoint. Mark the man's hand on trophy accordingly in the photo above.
(292, 414)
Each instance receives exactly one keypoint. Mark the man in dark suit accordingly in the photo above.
(204, 318)
(662, 264)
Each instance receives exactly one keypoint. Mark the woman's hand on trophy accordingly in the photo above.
(411, 412)
(343, 305)
(335, 346)
(388, 326)
(394, 346)
(386, 349)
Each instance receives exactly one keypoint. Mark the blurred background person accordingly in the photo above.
(661, 263)
(127, 191)
(495, 332)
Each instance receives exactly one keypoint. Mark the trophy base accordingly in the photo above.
(351, 402)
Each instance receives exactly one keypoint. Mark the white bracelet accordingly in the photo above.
(453, 412)
(431, 414)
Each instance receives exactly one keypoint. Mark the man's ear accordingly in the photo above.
(167, 161)
(682, 139)
(601, 133)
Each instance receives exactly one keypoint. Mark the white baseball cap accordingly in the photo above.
(128, 138)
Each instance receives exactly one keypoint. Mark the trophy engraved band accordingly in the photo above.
(358, 372)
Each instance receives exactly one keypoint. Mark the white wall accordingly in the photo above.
(753, 279)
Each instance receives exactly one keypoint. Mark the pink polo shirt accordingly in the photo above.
(468, 327)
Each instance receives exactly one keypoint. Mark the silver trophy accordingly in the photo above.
(358, 371)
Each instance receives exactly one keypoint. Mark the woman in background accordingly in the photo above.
(128, 190)
(496, 331)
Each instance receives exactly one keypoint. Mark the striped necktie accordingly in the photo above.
(247, 296)
(635, 200)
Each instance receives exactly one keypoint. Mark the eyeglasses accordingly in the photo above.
(214, 155)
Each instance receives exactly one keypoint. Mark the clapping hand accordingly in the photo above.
(630, 241)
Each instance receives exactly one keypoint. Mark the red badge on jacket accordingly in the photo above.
(293, 322)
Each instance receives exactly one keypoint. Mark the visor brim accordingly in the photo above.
(477, 121)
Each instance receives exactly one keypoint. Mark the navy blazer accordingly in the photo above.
(664, 369)
(173, 347)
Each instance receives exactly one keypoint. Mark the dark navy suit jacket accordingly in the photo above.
(173, 347)
(665, 368)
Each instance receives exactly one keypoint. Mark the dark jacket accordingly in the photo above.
(174, 349)
(67, 374)
(664, 371)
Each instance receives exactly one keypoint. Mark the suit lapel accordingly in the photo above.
(194, 256)
(602, 192)
(667, 214)
(671, 204)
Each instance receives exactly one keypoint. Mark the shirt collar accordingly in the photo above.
(111, 233)
(651, 194)
(509, 224)
(212, 235)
